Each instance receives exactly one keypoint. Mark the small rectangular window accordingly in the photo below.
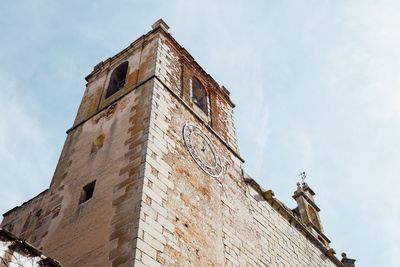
(87, 192)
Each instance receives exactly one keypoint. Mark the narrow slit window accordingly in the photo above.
(199, 95)
(117, 79)
(87, 192)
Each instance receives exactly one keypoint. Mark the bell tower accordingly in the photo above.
(109, 201)
(150, 175)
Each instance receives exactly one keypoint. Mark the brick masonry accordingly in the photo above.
(152, 204)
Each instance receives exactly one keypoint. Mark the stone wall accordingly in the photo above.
(101, 229)
(29, 221)
(191, 219)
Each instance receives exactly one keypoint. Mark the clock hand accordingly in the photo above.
(204, 147)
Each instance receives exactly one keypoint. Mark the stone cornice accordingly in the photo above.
(236, 153)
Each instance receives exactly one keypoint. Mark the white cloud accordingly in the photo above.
(25, 158)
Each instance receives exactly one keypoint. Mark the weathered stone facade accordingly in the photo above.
(152, 204)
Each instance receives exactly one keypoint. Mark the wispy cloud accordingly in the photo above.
(25, 157)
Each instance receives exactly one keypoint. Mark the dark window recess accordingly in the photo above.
(199, 95)
(117, 79)
(87, 192)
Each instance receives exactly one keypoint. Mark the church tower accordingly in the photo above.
(150, 175)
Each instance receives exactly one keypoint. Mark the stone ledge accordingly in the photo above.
(132, 88)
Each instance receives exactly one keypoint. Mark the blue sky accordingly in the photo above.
(315, 83)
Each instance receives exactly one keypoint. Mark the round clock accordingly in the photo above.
(202, 150)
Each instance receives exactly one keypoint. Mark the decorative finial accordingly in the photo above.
(347, 262)
(160, 23)
(302, 176)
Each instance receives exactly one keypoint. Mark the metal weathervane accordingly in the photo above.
(302, 176)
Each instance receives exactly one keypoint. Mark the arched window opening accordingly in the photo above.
(199, 95)
(117, 79)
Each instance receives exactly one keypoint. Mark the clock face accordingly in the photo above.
(202, 150)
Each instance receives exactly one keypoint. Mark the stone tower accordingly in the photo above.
(150, 175)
